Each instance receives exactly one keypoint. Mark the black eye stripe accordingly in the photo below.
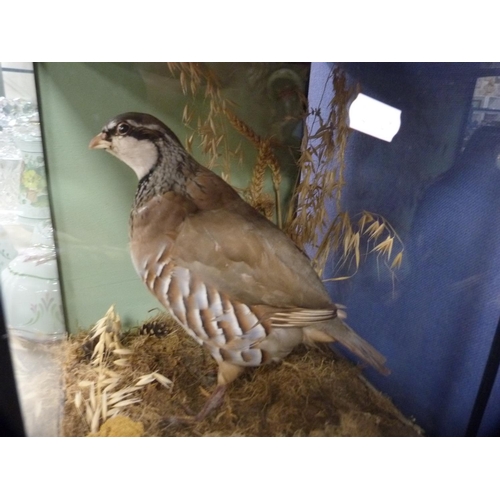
(139, 130)
(139, 133)
(144, 133)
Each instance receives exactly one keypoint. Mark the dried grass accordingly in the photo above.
(320, 185)
(320, 173)
(210, 123)
(312, 393)
(211, 127)
(102, 391)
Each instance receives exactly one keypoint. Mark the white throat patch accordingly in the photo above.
(140, 156)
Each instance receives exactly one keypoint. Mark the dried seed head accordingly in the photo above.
(146, 379)
(166, 382)
(123, 352)
(396, 263)
(121, 362)
(78, 399)
(127, 402)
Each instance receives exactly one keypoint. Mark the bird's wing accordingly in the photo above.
(242, 254)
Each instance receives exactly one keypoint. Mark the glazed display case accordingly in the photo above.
(32, 301)
(386, 175)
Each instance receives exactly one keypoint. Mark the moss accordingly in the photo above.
(119, 426)
(312, 393)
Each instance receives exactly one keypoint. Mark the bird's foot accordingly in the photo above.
(212, 403)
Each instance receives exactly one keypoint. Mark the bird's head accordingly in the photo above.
(137, 139)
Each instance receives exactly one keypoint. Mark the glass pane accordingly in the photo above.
(385, 175)
(92, 217)
(32, 301)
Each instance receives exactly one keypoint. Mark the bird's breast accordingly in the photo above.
(230, 330)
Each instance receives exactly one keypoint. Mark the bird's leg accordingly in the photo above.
(213, 402)
(226, 374)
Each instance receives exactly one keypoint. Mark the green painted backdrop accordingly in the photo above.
(92, 191)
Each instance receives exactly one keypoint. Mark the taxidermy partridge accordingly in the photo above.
(236, 283)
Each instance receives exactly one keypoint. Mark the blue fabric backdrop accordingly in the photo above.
(436, 322)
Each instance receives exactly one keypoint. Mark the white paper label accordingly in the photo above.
(374, 118)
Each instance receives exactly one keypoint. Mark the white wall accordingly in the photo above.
(18, 84)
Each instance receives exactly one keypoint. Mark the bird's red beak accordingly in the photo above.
(99, 142)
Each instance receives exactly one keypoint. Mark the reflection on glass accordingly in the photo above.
(428, 317)
(485, 109)
(29, 278)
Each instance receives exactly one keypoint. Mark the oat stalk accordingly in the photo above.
(100, 399)
(210, 125)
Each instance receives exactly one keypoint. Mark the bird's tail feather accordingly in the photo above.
(337, 330)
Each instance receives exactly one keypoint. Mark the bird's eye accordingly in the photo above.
(122, 128)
